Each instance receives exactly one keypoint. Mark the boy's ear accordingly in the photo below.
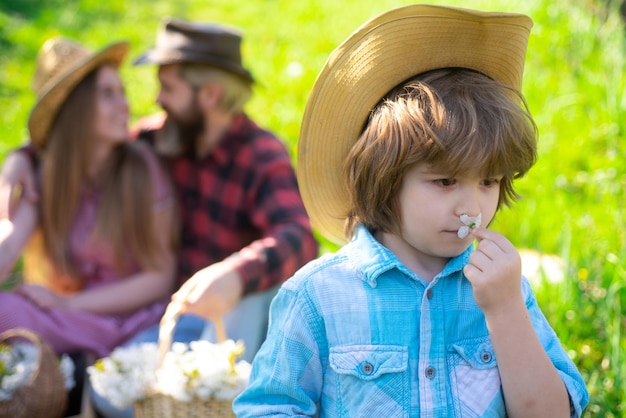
(210, 95)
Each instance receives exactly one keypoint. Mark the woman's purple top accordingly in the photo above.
(69, 331)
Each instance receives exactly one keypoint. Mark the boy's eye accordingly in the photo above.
(445, 182)
(491, 182)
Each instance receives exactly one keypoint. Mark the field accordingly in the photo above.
(572, 205)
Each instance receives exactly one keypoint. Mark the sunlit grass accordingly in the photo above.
(572, 202)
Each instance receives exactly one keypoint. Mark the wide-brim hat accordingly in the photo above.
(180, 42)
(382, 53)
(61, 65)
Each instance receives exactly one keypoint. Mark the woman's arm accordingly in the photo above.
(15, 232)
(17, 172)
(140, 289)
(126, 295)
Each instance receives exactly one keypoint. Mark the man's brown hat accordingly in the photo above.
(180, 42)
(61, 65)
(379, 55)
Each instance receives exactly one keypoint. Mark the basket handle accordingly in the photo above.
(168, 323)
(21, 333)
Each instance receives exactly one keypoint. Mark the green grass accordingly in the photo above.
(573, 199)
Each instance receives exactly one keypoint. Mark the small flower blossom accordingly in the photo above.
(469, 223)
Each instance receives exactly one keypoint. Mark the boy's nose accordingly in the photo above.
(469, 204)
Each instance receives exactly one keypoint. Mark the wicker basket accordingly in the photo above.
(157, 406)
(164, 406)
(44, 396)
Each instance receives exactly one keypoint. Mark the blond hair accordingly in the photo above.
(237, 91)
(453, 119)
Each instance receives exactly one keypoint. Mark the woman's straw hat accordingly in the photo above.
(379, 55)
(61, 65)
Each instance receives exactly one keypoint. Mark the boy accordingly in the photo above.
(421, 109)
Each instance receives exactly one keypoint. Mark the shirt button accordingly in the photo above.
(429, 372)
(429, 293)
(367, 368)
(485, 357)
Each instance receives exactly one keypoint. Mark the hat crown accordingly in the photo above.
(183, 42)
(200, 41)
(57, 57)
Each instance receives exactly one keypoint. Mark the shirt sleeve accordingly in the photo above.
(574, 383)
(287, 241)
(286, 377)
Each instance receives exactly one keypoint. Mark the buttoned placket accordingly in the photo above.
(431, 371)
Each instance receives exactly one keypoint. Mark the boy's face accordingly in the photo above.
(431, 203)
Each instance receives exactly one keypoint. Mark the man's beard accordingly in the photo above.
(189, 129)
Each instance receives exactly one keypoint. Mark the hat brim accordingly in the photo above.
(50, 100)
(379, 55)
(166, 57)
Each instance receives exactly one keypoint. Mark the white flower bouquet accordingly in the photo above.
(34, 382)
(199, 370)
(167, 378)
(18, 363)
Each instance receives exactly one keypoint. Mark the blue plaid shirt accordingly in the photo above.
(356, 334)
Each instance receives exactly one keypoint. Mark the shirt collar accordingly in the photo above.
(372, 259)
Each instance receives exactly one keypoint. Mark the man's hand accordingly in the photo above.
(17, 181)
(211, 292)
(494, 270)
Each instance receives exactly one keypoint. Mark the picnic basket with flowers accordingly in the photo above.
(32, 381)
(172, 380)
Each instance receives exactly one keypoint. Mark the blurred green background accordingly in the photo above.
(572, 205)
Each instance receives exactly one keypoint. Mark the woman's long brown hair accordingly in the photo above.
(126, 216)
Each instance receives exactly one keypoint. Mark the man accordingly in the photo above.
(244, 229)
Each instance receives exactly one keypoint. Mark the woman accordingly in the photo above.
(98, 243)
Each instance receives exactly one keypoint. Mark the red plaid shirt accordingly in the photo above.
(242, 201)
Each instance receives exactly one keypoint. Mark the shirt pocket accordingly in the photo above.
(370, 380)
(475, 379)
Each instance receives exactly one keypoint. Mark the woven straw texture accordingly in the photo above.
(161, 406)
(44, 396)
(383, 52)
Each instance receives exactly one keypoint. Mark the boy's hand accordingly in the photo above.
(494, 270)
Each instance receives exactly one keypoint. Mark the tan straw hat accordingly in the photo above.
(379, 55)
(61, 65)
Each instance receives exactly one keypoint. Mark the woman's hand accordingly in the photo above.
(42, 296)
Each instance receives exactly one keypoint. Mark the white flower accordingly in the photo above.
(199, 370)
(469, 223)
(126, 374)
(67, 370)
(19, 361)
